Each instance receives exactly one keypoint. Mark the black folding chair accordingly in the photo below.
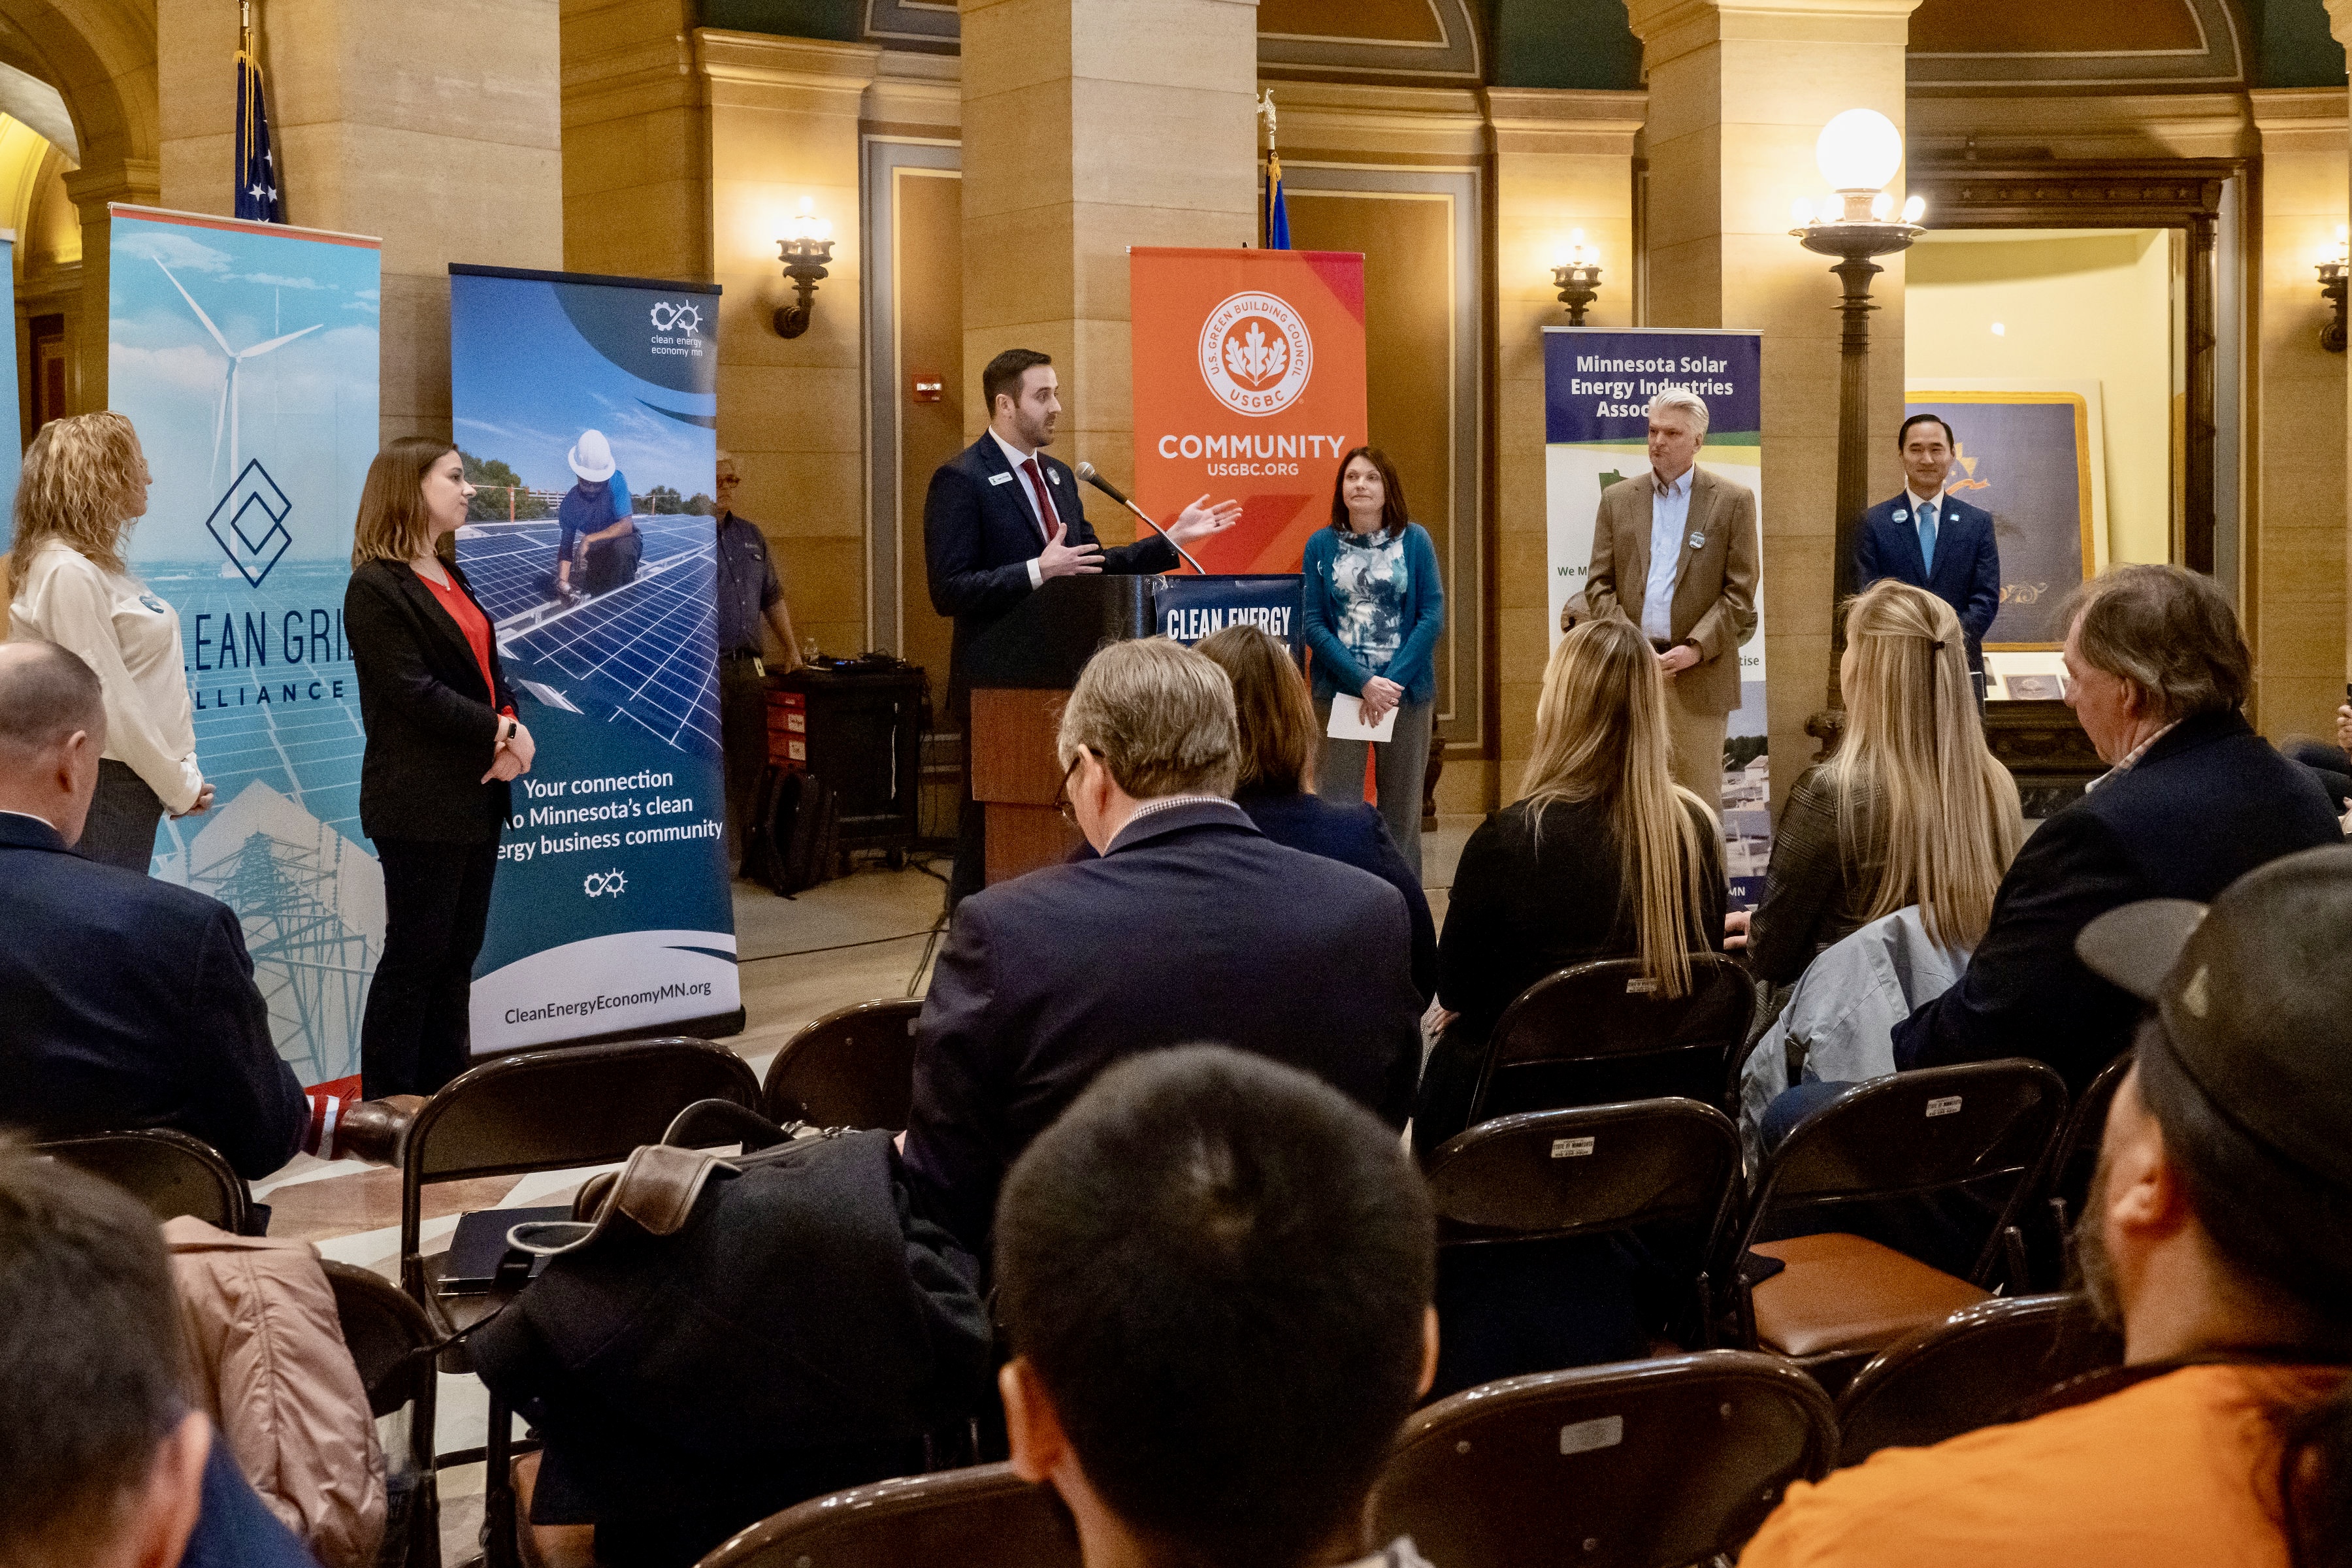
(1598, 1034)
(546, 1110)
(391, 1343)
(852, 1068)
(1666, 1168)
(1983, 1127)
(1976, 1368)
(1650, 1464)
(171, 1173)
(983, 1517)
(2075, 1162)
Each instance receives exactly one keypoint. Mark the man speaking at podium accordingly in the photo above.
(1000, 518)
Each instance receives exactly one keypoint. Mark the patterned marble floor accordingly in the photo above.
(848, 941)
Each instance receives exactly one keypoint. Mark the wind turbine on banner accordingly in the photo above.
(228, 410)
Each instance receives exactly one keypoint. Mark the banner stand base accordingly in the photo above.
(717, 1026)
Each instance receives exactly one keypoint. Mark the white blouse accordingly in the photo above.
(131, 638)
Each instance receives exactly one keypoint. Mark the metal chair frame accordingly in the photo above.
(193, 1162)
(981, 1517)
(1716, 980)
(788, 1095)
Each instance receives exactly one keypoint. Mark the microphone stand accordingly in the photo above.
(1087, 472)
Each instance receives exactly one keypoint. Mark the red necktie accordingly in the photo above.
(1044, 507)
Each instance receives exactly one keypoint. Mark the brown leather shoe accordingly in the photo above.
(376, 1130)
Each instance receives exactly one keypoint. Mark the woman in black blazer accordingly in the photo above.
(443, 742)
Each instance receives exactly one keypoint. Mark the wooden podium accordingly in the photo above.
(1021, 672)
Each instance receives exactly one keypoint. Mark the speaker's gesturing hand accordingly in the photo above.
(1060, 559)
(1198, 519)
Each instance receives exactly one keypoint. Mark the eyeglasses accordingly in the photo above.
(1062, 796)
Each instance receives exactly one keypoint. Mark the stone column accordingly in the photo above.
(435, 124)
(1563, 162)
(1739, 93)
(90, 188)
(2294, 557)
(1090, 126)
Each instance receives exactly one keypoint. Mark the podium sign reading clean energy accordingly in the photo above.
(245, 355)
(588, 407)
(1598, 383)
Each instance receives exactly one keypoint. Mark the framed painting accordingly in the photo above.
(2030, 453)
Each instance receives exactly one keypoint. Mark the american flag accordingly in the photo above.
(256, 171)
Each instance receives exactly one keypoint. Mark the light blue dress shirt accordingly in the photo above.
(1669, 511)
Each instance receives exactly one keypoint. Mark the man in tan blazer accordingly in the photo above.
(1675, 551)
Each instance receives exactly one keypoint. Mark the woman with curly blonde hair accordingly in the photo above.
(84, 484)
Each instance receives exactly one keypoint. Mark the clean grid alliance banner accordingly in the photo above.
(1598, 383)
(587, 410)
(245, 355)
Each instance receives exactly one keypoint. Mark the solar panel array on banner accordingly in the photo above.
(632, 649)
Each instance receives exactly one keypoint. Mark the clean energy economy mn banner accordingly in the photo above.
(1598, 383)
(1249, 383)
(245, 355)
(579, 400)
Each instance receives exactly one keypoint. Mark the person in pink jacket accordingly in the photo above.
(271, 1371)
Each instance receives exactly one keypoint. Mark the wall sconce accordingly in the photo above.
(1858, 153)
(2333, 269)
(1577, 278)
(806, 246)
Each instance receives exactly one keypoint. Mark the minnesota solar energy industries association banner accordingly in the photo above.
(246, 355)
(1598, 384)
(587, 410)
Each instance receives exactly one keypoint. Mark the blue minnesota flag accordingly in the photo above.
(256, 170)
(1277, 216)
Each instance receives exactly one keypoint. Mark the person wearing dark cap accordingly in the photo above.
(2157, 672)
(2217, 1236)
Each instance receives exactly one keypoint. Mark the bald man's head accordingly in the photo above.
(52, 729)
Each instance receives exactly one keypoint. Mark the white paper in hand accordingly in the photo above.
(1347, 722)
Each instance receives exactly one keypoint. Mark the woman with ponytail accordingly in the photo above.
(1913, 809)
(1604, 856)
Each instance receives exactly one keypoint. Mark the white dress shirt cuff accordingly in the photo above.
(1037, 573)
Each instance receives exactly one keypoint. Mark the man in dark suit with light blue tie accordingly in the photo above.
(1927, 538)
(1000, 519)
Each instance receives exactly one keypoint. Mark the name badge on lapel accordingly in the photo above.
(999, 479)
(1902, 514)
(1697, 540)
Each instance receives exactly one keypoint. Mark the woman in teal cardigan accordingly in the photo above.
(1373, 607)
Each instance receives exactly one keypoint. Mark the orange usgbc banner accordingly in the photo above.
(1249, 384)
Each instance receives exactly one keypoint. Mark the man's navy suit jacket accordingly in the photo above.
(1968, 563)
(1195, 928)
(130, 1003)
(980, 534)
(2206, 803)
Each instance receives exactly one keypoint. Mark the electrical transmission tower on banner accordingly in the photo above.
(312, 967)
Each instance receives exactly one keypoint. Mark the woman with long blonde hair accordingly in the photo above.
(1912, 809)
(84, 484)
(1604, 856)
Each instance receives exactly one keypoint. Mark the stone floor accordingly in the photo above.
(848, 941)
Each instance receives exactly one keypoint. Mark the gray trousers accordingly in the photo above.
(1399, 764)
(123, 816)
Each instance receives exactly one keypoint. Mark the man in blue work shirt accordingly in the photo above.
(597, 517)
(748, 593)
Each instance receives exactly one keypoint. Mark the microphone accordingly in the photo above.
(1087, 472)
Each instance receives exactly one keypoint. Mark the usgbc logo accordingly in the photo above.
(1255, 353)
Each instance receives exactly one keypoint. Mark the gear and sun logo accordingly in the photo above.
(683, 317)
(601, 884)
(1255, 352)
